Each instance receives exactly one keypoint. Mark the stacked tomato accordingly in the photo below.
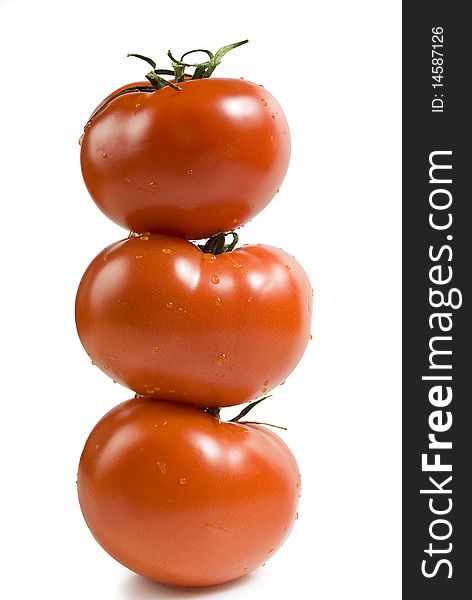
(166, 487)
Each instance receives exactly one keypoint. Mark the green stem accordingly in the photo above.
(214, 412)
(159, 82)
(230, 247)
(202, 71)
(207, 52)
(145, 58)
(262, 423)
(217, 245)
(245, 410)
(129, 90)
(216, 60)
(248, 408)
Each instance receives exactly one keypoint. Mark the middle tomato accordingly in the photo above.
(169, 321)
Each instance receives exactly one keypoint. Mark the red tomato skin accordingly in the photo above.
(181, 498)
(190, 163)
(168, 321)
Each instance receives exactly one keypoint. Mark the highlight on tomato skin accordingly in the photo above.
(187, 163)
(181, 498)
(169, 321)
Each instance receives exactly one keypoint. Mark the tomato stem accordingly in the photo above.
(133, 88)
(159, 82)
(216, 60)
(249, 407)
(216, 244)
(262, 423)
(245, 410)
(232, 245)
(214, 412)
(145, 58)
(202, 70)
(207, 52)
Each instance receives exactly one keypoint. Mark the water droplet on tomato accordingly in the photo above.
(164, 423)
(152, 184)
(81, 138)
(272, 115)
(162, 467)
(169, 304)
(208, 256)
(138, 105)
(271, 138)
(138, 256)
(209, 525)
(249, 299)
(155, 348)
(264, 102)
(221, 358)
(127, 180)
(97, 446)
(183, 481)
(144, 238)
(266, 382)
(271, 550)
(288, 267)
(189, 172)
(237, 265)
(217, 301)
(264, 390)
(166, 251)
(104, 155)
(236, 221)
(106, 367)
(171, 391)
(215, 279)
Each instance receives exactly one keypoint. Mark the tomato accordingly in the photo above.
(176, 495)
(169, 321)
(189, 163)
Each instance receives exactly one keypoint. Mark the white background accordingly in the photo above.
(335, 68)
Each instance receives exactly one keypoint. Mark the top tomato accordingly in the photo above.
(187, 163)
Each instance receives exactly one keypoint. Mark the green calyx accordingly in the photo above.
(215, 412)
(156, 81)
(217, 244)
(202, 70)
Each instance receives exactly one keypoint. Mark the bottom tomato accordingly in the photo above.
(176, 495)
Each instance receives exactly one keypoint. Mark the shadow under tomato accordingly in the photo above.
(139, 588)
